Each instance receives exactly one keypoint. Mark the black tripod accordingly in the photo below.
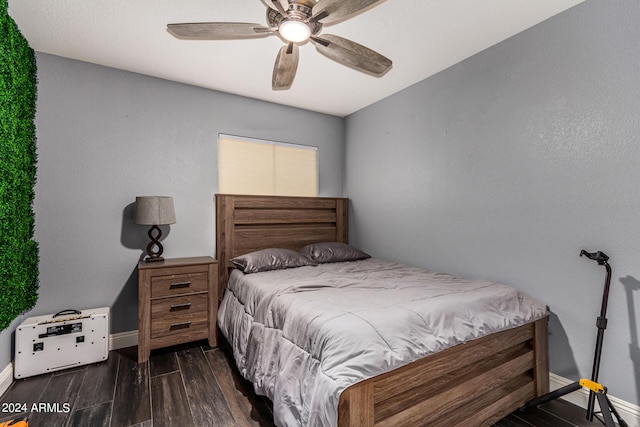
(597, 391)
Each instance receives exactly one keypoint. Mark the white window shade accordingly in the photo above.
(253, 166)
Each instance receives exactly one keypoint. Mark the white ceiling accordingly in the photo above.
(422, 37)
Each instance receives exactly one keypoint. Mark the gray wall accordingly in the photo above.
(106, 136)
(508, 164)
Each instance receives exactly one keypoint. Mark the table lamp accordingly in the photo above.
(154, 211)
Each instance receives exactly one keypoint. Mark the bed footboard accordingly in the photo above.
(472, 384)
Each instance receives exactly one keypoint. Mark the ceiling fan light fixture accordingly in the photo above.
(294, 31)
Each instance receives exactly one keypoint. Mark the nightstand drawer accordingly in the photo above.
(177, 284)
(178, 307)
(189, 323)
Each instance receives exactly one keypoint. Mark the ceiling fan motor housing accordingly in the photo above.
(299, 10)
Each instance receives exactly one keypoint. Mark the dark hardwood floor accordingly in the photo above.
(186, 386)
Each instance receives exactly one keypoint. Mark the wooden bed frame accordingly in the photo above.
(471, 384)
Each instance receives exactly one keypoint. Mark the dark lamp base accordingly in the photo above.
(155, 242)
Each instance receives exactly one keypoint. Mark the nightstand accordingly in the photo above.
(177, 303)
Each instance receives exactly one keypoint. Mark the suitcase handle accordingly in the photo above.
(67, 311)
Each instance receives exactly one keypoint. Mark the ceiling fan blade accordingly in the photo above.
(285, 67)
(279, 5)
(352, 54)
(330, 11)
(218, 30)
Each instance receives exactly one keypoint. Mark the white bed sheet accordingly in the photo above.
(303, 335)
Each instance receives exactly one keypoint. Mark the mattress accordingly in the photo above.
(302, 335)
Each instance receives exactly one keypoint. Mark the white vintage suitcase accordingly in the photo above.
(63, 340)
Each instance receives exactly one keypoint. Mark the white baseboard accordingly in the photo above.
(629, 412)
(123, 339)
(6, 378)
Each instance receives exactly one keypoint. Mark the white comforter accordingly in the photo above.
(303, 335)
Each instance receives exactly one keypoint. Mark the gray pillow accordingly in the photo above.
(332, 252)
(270, 259)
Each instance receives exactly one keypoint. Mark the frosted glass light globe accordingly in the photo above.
(294, 31)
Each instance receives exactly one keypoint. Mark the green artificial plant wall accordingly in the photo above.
(18, 251)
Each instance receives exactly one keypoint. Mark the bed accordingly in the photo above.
(474, 382)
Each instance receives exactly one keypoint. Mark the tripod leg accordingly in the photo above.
(605, 409)
(552, 395)
(621, 422)
(590, 405)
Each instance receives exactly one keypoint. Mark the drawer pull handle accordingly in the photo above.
(181, 325)
(179, 285)
(176, 307)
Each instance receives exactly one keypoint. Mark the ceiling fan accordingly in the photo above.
(296, 22)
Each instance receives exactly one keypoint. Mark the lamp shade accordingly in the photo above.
(154, 210)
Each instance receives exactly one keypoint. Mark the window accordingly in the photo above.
(254, 166)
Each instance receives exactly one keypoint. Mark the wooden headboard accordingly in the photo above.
(249, 223)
